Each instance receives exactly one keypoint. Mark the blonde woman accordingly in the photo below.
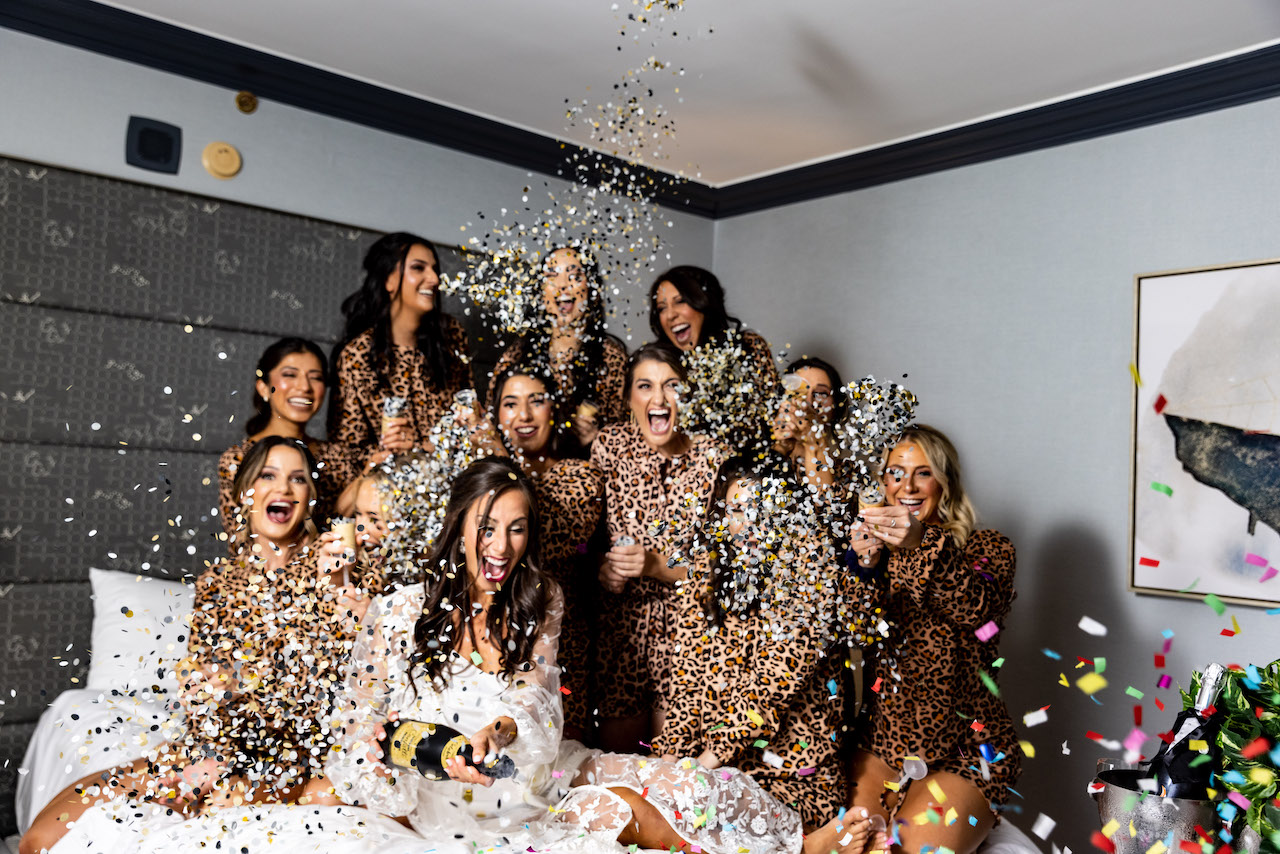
(936, 730)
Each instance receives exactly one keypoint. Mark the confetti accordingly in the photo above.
(1255, 560)
(987, 631)
(1035, 718)
(1160, 487)
(1215, 603)
(1043, 826)
(1093, 627)
(1091, 683)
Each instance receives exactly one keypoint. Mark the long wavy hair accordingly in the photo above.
(955, 510)
(588, 365)
(539, 372)
(250, 469)
(517, 611)
(370, 308)
(268, 362)
(704, 294)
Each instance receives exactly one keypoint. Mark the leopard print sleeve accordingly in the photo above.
(971, 586)
(356, 432)
(682, 728)
(760, 353)
(609, 388)
(455, 337)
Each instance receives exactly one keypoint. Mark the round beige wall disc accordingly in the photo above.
(221, 160)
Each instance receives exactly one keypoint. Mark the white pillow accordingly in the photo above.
(140, 630)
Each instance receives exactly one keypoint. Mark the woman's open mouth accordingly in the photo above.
(566, 305)
(660, 420)
(526, 432)
(912, 504)
(495, 569)
(682, 332)
(301, 402)
(280, 512)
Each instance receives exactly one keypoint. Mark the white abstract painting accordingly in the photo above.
(1206, 502)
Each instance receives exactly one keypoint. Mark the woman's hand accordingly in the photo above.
(485, 745)
(352, 604)
(894, 525)
(374, 750)
(485, 436)
(865, 545)
(585, 427)
(620, 565)
(397, 435)
(335, 557)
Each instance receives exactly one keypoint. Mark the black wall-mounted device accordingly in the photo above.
(153, 145)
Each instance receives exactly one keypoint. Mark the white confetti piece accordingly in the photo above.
(1091, 626)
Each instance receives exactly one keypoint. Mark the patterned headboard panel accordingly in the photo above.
(131, 319)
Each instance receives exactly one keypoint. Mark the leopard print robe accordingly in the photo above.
(938, 595)
(281, 634)
(773, 704)
(360, 394)
(657, 501)
(570, 500)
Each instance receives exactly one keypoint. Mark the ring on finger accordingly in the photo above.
(893, 523)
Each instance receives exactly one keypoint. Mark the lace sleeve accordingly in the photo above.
(362, 703)
(532, 699)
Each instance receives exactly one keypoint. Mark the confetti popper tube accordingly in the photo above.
(392, 408)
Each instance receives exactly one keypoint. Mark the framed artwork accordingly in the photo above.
(1206, 433)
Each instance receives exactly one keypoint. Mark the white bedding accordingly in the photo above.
(65, 749)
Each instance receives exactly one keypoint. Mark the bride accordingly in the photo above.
(475, 648)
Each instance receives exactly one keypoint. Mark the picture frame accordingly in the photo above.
(1205, 457)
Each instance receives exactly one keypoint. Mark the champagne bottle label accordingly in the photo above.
(452, 747)
(404, 742)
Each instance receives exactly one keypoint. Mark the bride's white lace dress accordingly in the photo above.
(560, 799)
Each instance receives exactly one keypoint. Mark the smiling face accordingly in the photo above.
(524, 414)
(681, 322)
(416, 291)
(565, 288)
(281, 496)
(371, 515)
(909, 481)
(294, 388)
(654, 402)
(818, 390)
(494, 546)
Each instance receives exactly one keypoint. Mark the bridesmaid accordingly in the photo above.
(587, 363)
(657, 480)
(396, 342)
(813, 401)
(762, 653)
(292, 379)
(945, 581)
(271, 628)
(686, 310)
(570, 494)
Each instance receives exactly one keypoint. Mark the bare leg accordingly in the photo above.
(647, 828)
(918, 831)
(869, 774)
(319, 793)
(72, 802)
(625, 735)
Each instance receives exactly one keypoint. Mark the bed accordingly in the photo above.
(138, 636)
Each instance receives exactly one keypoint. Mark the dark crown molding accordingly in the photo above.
(124, 35)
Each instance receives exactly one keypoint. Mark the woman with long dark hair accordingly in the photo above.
(570, 500)
(270, 631)
(475, 647)
(396, 343)
(292, 378)
(946, 580)
(657, 476)
(766, 625)
(586, 362)
(687, 310)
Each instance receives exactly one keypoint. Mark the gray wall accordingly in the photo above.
(1005, 292)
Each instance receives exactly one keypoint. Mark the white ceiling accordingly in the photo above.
(767, 85)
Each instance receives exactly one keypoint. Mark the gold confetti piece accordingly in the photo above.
(1028, 749)
(1091, 683)
(1110, 828)
(1199, 745)
(936, 790)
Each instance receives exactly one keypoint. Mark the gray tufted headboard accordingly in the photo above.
(131, 318)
